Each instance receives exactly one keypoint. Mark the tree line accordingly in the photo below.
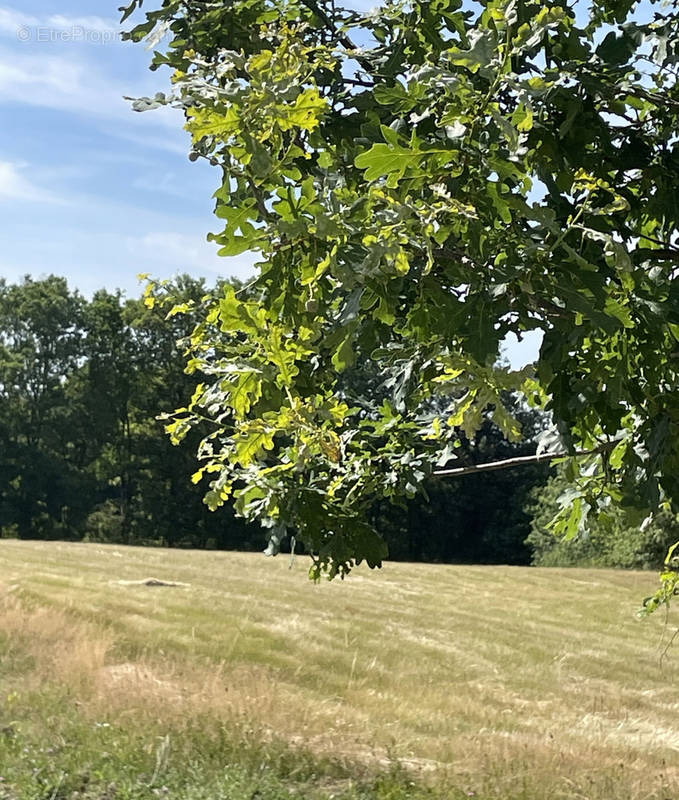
(84, 457)
(82, 382)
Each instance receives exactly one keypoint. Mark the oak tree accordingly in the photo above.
(417, 182)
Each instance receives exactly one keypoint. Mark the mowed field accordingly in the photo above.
(250, 681)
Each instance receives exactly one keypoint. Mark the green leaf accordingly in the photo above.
(615, 308)
(345, 356)
(523, 118)
(204, 122)
(283, 358)
(618, 453)
(395, 95)
(616, 49)
(481, 53)
(128, 10)
(250, 442)
(238, 219)
(246, 392)
(234, 315)
(305, 113)
(383, 159)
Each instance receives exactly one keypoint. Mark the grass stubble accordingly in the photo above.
(497, 683)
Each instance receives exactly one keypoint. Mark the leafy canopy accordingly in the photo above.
(418, 183)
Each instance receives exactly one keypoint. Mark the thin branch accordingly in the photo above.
(657, 99)
(667, 245)
(657, 255)
(518, 461)
(319, 12)
(667, 647)
(357, 82)
(342, 38)
(259, 199)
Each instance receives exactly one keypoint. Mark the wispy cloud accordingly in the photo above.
(94, 255)
(96, 226)
(13, 21)
(178, 143)
(14, 185)
(72, 85)
(77, 80)
(91, 23)
(175, 252)
(167, 183)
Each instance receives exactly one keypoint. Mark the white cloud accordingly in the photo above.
(13, 21)
(15, 186)
(61, 83)
(98, 24)
(166, 183)
(165, 252)
(92, 257)
(179, 144)
(78, 87)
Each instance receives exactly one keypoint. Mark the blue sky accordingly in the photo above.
(90, 189)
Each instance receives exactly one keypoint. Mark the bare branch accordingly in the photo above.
(518, 461)
(662, 254)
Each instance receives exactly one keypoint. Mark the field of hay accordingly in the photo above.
(454, 681)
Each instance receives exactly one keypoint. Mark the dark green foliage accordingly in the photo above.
(467, 173)
(41, 485)
(611, 541)
(82, 453)
(479, 519)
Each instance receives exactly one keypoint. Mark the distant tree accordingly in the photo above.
(168, 506)
(84, 456)
(133, 372)
(478, 519)
(42, 487)
(111, 378)
(610, 540)
(82, 451)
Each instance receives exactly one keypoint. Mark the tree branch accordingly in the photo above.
(342, 38)
(663, 254)
(667, 245)
(518, 461)
(357, 82)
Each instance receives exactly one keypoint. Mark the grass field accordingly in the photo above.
(250, 682)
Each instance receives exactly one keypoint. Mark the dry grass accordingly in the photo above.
(482, 673)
